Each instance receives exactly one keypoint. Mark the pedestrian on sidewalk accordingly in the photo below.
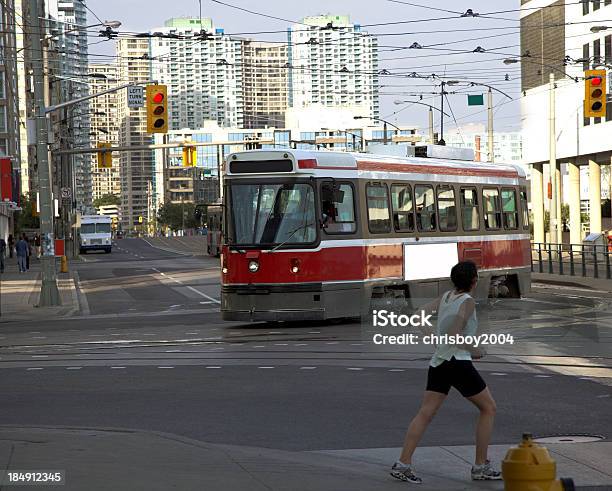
(451, 366)
(2, 253)
(22, 249)
(11, 245)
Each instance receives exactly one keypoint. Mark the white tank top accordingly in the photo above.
(450, 304)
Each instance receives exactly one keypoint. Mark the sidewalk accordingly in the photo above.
(119, 459)
(600, 284)
(19, 293)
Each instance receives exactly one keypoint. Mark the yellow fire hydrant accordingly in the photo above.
(64, 265)
(529, 467)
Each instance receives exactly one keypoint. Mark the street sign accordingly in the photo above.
(66, 194)
(135, 96)
(475, 100)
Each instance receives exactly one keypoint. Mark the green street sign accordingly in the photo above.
(475, 100)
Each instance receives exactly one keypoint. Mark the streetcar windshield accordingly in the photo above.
(273, 214)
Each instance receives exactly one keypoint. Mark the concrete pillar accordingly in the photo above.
(537, 202)
(595, 196)
(574, 204)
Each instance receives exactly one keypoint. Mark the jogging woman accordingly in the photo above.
(451, 366)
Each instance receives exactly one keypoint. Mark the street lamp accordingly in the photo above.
(385, 123)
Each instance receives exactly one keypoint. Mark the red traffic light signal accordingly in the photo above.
(594, 93)
(157, 109)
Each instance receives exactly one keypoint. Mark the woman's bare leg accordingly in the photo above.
(484, 428)
(430, 405)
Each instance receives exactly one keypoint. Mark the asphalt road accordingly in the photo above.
(151, 352)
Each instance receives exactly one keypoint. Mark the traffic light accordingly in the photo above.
(189, 156)
(595, 93)
(105, 157)
(157, 109)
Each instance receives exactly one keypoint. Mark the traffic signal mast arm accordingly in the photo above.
(50, 109)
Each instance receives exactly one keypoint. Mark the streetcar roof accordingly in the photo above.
(316, 162)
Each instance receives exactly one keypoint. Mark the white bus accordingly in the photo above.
(95, 234)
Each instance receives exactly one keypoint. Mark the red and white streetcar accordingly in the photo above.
(313, 235)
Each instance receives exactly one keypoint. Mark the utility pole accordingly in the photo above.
(441, 140)
(552, 160)
(490, 128)
(49, 293)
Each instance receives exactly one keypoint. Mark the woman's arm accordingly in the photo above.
(465, 312)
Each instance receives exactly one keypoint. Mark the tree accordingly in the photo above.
(177, 216)
(26, 218)
(107, 199)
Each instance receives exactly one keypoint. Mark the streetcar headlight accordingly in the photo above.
(253, 266)
(295, 266)
(224, 270)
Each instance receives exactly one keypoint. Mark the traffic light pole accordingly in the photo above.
(553, 225)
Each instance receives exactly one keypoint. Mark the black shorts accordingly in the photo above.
(460, 374)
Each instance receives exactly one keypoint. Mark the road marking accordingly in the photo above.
(189, 287)
(165, 367)
(332, 342)
(499, 374)
(265, 367)
(117, 368)
(356, 344)
(603, 395)
(73, 368)
(40, 356)
(274, 332)
(39, 337)
(212, 367)
(354, 368)
(542, 376)
(192, 332)
(397, 370)
(314, 332)
(281, 344)
(308, 368)
(259, 346)
(302, 344)
(173, 351)
(34, 368)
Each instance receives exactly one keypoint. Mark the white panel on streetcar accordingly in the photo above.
(428, 261)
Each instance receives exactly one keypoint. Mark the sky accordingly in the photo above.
(400, 23)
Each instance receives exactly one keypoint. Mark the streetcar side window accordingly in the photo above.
(492, 209)
(403, 208)
(379, 219)
(425, 208)
(338, 208)
(509, 208)
(469, 209)
(524, 208)
(447, 208)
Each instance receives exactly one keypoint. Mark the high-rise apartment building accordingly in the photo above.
(105, 126)
(332, 63)
(136, 168)
(265, 84)
(67, 66)
(9, 115)
(202, 68)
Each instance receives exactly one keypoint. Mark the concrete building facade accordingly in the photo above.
(558, 38)
(105, 126)
(136, 169)
(203, 74)
(332, 62)
(265, 84)
(68, 65)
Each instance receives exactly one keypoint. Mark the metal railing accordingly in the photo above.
(586, 260)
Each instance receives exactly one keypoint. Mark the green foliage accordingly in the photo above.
(177, 216)
(107, 199)
(25, 218)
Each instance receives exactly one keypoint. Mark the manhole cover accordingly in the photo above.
(569, 439)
